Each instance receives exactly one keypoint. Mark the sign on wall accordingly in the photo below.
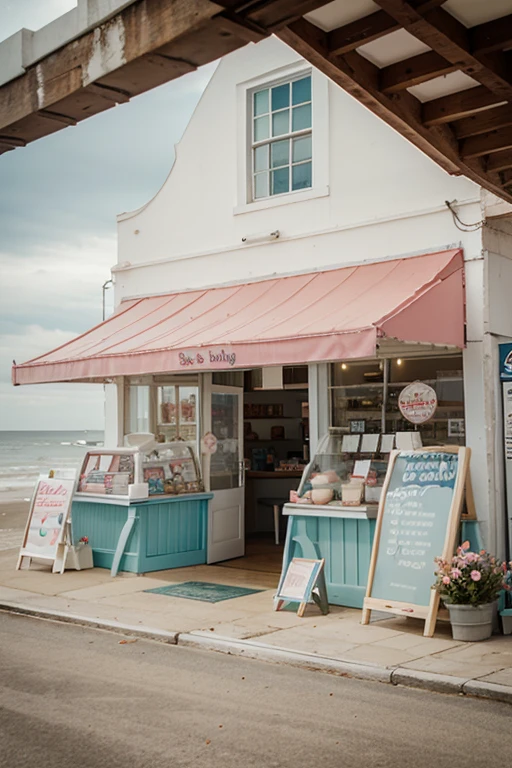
(418, 520)
(48, 514)
(417, 402)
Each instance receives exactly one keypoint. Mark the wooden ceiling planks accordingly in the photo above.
(466, 131)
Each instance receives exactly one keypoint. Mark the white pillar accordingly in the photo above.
(318, 395)
(114, 413)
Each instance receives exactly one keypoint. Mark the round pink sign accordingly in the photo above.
(417, 402)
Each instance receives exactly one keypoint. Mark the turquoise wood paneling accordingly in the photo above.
(346, 545)
(168, 533)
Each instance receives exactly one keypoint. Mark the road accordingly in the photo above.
(71, 696)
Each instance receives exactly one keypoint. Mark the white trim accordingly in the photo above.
(297, 196)
(317, 233)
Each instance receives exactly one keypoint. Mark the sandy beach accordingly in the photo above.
(13, 514)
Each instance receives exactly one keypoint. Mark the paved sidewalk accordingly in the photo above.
(389, 649)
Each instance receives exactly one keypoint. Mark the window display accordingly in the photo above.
(339, 477)
(365, 395)
(165, 469)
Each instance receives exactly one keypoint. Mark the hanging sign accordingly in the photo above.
(209, 443)
(46, 525)
(417, 402)
(418, 520)
(303, 582)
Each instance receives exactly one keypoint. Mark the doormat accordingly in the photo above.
(204, 591)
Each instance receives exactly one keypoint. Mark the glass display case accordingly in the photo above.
(339, 477)
(167, 469)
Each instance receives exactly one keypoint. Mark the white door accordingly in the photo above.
(226, 523)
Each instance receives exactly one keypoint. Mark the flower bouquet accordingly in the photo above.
(469, 585)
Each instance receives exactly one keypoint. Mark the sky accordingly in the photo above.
(59, 197)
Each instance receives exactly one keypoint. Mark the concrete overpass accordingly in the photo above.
(438, 71)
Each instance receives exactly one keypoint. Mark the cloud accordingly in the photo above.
(59, 197)
(46, 406)
(57, 284)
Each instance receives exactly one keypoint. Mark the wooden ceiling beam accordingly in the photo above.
(495, 35)
(402, 111)
(356, 33)
(444, 34)
(487, 143)
(418, 69)
(499, 161)
(506, 178)
(458, 105)
(482, 122)
(351, 36)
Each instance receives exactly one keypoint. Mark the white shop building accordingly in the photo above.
(298, 267)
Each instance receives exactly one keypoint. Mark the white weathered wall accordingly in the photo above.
(384, 198)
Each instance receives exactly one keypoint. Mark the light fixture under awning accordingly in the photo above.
(335, 314)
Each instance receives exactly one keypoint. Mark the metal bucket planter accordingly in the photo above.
(471, 623)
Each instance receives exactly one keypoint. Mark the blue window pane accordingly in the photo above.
(301, 90)
(280, 153)
(281, 97)
(261, 158)
(301, 176)
(261, 185)
(280, 181)
(301, 117)
(281, 122)
(301, 149)
(261, 102)
(261, 128)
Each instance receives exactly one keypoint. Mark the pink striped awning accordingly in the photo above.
(335, 314)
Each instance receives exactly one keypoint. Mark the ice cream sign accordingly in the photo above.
(417, 402)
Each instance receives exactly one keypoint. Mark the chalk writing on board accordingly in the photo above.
(416, 512)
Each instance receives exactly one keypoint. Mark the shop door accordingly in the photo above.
(226, 524)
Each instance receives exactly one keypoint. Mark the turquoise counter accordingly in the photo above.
(164, 532)
(343, 536)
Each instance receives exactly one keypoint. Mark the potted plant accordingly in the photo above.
(469, 585)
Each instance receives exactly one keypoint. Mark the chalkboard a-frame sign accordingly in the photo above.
(418, 520)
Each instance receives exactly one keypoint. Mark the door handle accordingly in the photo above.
(241, 473)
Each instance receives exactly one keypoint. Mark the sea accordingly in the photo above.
(25, 455)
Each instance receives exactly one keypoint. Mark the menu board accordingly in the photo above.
(48, 514)
(418, 521)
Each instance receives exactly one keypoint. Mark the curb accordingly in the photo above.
(399, 676)
(254, 650)
(161, 635)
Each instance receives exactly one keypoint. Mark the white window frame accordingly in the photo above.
(319, 133)
(289, 136)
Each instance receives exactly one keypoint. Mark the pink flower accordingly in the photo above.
(456, 573)
(471, 557)
(476, 575)
(465, 545)
(447, 580)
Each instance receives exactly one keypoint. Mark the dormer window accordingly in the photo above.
(281, 138)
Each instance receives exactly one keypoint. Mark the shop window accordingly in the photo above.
(281, 138)
(138, 417)
(177, 413)
(228, 378)
(364, 396)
